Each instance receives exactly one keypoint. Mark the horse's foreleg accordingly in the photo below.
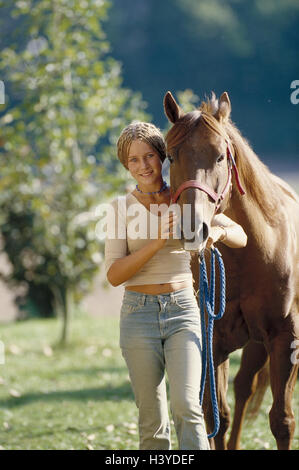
(254, 357)
(283, 373)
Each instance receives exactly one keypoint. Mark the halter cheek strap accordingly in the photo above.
(216, 197)
(235, 169)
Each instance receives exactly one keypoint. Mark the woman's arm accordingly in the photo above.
(124, 268)
(227, 231)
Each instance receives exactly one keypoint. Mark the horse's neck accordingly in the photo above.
(261, 205)
(268, 212)
(244, 210)
(262, 192)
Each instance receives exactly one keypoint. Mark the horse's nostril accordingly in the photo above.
(205, 232)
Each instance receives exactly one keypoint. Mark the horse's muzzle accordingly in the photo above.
(197, 241)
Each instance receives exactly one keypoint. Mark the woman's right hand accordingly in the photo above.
(166, 227)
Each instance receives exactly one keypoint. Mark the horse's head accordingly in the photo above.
(200, 165)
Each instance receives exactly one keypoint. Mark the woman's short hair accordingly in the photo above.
(140, 131)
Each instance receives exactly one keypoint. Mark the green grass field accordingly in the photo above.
(80, 397)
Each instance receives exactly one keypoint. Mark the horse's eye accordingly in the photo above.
(220, 158)
(170, 158)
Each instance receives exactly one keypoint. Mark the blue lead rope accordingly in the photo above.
(207, 301)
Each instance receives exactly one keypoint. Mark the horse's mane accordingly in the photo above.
(255, 176)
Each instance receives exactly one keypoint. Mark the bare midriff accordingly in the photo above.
(156, 289)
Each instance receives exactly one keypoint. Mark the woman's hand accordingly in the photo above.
(216, 234)
(166, 227)
(232, 236)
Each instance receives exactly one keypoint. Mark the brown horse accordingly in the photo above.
(262, 279)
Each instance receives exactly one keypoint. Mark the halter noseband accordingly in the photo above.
(216, 197)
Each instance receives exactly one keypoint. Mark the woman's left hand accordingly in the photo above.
(216, 233)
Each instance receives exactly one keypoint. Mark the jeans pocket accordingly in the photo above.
(128, 307)
(186, 303)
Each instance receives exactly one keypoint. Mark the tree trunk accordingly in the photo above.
(64, 309)
(67, 315)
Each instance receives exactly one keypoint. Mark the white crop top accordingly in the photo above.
(170, 264)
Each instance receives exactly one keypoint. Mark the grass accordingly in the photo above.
(80, 397)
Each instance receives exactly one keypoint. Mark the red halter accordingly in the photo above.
(217, 198)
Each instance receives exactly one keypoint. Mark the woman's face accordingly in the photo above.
(144, 163)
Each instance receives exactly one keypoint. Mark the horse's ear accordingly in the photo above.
(171, 108)
(224, 107)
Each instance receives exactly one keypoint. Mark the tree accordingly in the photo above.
(58, 138)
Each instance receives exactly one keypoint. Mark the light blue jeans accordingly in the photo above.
(158, 333)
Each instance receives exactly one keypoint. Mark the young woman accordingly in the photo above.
(160, 323)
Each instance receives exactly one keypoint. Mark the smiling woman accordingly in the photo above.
(144, 165)
(144, 132)
(141, 149)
